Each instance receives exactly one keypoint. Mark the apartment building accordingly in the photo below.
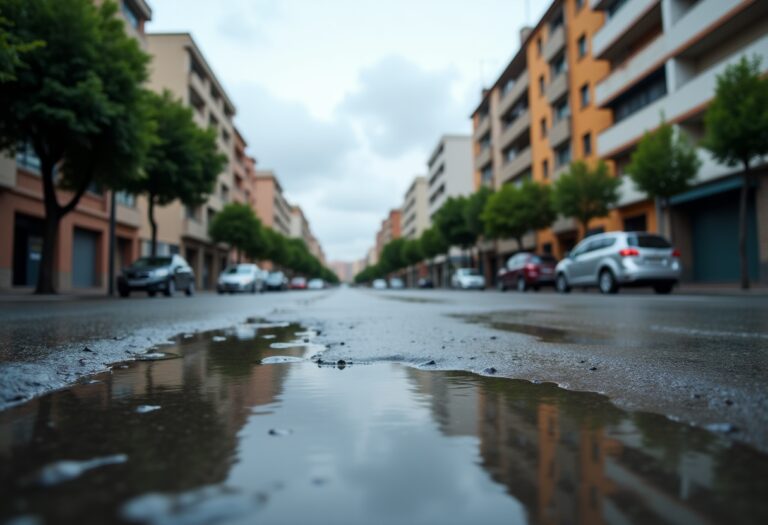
(664, 57)
(271, 206)
(178, 65)
(449, 171)
(415, 210)
(82, 249)
(243, 172)
(389, 231)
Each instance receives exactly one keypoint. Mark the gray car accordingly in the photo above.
(157, 274)
(612, 260)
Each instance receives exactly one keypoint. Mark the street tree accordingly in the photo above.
(737, 132)
(12, 50)
(513, 211)
(182, 163)
(77, 100)
(664, 164)
(585, 193)
(451, 222)
(238, 226)
(473, 211)
(432, 243)
(411, 252)
(391, 259)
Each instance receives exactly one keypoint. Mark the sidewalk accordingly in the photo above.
(28, 295)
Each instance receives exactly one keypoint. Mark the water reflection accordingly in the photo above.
(238, 441)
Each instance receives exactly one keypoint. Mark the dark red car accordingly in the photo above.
(526, 270)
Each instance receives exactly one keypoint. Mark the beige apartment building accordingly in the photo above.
(271, 206)
(82, 249)
(178, 65)
(415, 210)
(300, 230)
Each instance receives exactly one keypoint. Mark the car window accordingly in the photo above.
(146, 262)
(547, 259)
(648, 241)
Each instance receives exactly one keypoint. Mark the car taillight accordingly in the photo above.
(531, 267)
(675, 253)
(629, 252)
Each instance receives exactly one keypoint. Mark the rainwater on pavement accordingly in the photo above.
(249, 425)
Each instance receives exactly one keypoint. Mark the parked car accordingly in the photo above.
(612, 260)
(298, 283)
(315, 284)
(276, 281)
(425, 283)
(379, 284)
(468, 278)
(240, 278)
(396, 283)
(157, 274)
(527, 270)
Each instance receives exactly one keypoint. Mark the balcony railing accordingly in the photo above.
(514, 94)
(516, 166)
(555, 43)
(560, 132)
(557, 88)
(616, 26)
(483, 158)
(514, 130)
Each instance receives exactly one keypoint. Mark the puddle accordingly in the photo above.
(407, 299)
(544, 334)
(250, 433)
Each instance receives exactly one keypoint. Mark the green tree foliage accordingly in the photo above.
(586, 193)
(239, 227)
(77, 99)
(411, 252)
(432, 243)
(664, 164)
(450, 221)
(513, 211)
(391, 256)
(473, 211)
(183, 161)
(12, 50)
(737, 132)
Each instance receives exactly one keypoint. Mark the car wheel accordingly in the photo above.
(562, 284)
(190, 291)
(170, 288)
(501, 287)
(607, 282)
(522, 286)
(124, 291)
(151, 293)
(253, 287)
(663, 289)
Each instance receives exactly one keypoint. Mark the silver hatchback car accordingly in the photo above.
(612, 260)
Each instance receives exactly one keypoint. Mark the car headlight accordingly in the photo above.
(161, 272)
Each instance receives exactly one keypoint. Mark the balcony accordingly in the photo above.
(195, 229)
(516, 166)
(564, 224)
(685, 101)
(483, 158)
(630, 72)
(560, 132)
(514, 130)
(557, 88)
(483, 127)
(620, 29)
(555, 43)
(512, 96)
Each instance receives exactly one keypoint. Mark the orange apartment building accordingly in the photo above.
(271, 206)
(83, 243)
(390, 230)
(588, 80)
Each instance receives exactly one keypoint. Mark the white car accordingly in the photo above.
(468, 278)
(241, 278)
(379, 284)
(396, 283)
(315, 284)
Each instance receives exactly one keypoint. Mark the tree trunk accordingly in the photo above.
(519, 243)
(743, 263)
(660, 222)
(45, 283)
(152, 225)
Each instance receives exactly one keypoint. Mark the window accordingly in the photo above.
(563, 155)
(224, 194)
(637, 223)
(130, 14)
(510, 154)
(545, 169)
(579, 4)
(192, 212)
(586, 144)
(581, 45)
(485, 142)
(556, 21)
(562, 110)
(614, 8)
(541, 85)
(538, 45)
(558, 65)
(487, 175)
(95, 189)
(225, 136)
(213, 121)
(584, 94)
(650, 90)
(27, 159)
(543, 127)
(508, 85)
(126, 199)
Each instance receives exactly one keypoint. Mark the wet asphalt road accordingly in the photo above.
(701, 359)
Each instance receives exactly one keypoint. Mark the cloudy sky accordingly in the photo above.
(345, 99)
